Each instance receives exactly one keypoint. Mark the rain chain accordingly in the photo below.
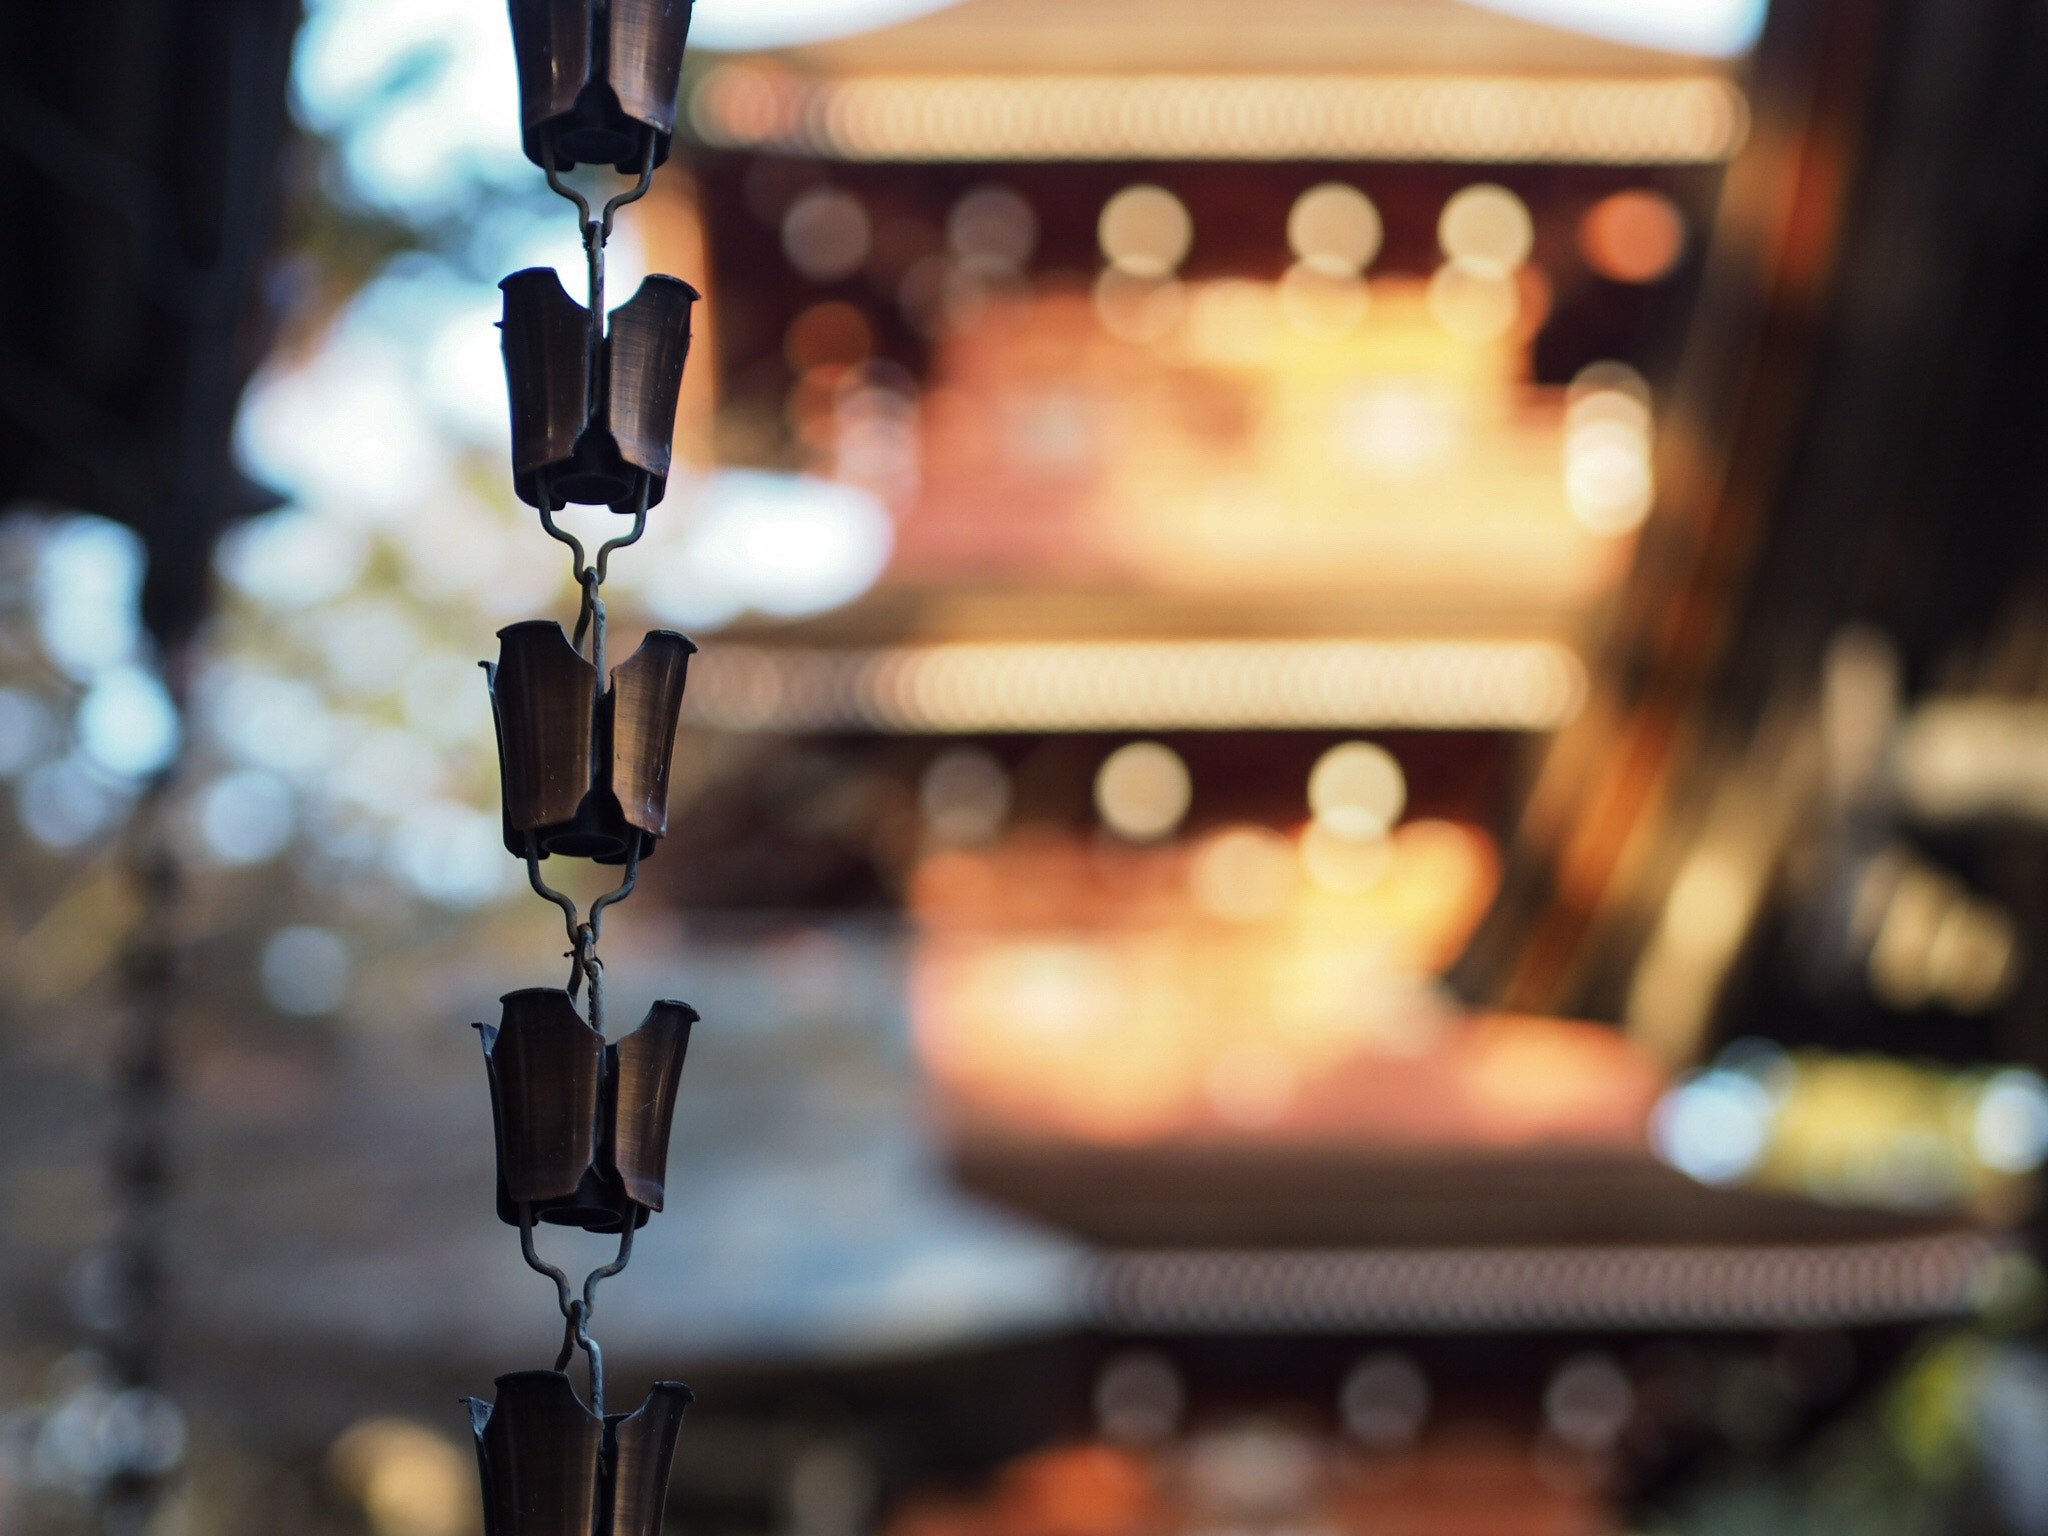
(583, 754)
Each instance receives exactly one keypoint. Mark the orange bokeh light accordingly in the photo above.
(1632, 237)
(1101, 992)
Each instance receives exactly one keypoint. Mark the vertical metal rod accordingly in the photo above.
(596, 1357)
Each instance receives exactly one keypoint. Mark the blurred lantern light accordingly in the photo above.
(410, 1480)
(1139, 1398)
(1717, 28)
(1244, 874)
(1609, 479)
(826, 234)
(1318, 302)
(1588, 1402)
(1931, 941)
(128, 724)
(305, 969)
(1486, 234)
(1604, 408)
(1335, 228)
(965, 796)
(1384, 1401)
(1145, 310)
(1145, 231)
(1715, 1128)
(1143, 791)
(66, 801)
(1632, 237)
(1255, 1472)
(2009, 1132)
(1960, 758)
(747, 24)
(1474, 305)
(246, 817)
(1342, 864)
(26, 730)
(88, 592)
(1609, 376)
(1486, 229)
(1401, 427)
(993, 224)
(1357, 790)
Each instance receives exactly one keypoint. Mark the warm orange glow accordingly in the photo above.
(832, 334)
(1250, 437)
(1067, 1490)
(1268, 1473)
(1148, 685)
(1124, 994)
(1633, 237)
(1475, 120)
(671, 224)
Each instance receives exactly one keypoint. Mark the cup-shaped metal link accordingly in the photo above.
(552, 40)
(597, 79)
(550, 1468)
(647, 703)
(567, 446)
(585, 774)
(547, 1075)
(648, 344)
(646, 1068)
(538, 1450)
(546, 341)
(583, 1127)
(646, 65)
(551, 749)
(642, 1446)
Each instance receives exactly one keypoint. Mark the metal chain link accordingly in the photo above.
(577, 1310)
(583, 932)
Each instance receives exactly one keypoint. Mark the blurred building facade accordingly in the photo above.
(1358, 829)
